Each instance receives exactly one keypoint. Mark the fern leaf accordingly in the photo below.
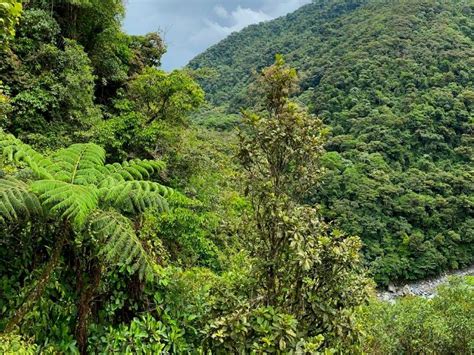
(73, 202)
(17, 199)
(14, 150)
(79, 164)
(136, 196)
(131, 170)
(120, 244)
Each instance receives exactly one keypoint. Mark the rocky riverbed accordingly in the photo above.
(425, 288)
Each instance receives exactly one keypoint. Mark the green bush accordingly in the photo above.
(144, 335)
(455, 303)
(415, 325)
(261, 330)
(12, 344)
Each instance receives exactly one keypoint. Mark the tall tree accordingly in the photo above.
(165, 96)
(151, 113)
(306, 269)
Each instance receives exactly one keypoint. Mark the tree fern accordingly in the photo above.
(73, 186)
(76, 186)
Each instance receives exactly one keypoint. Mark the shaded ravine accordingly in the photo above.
(424, 288)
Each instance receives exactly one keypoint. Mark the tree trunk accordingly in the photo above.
(87, 293)
(38, 289)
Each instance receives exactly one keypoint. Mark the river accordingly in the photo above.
(424, 288)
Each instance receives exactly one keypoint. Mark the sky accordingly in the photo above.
(191, 26)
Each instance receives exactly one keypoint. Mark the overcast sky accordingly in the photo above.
(191, 26)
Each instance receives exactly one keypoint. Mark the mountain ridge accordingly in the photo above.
(393, 81)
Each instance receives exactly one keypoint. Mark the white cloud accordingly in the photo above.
(236, 19)
(243, 17)
(191, 26)
(221, 12)
(280, 8)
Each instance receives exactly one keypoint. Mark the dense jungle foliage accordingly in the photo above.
(138, 219)
(393, 80)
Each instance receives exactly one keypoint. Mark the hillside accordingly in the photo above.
(394, 81)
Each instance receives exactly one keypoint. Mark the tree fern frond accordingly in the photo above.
(73, 202)
(131, 170)
(136, 196)
(14, 150)
(120, 244)
(79, 164)
(17, 199)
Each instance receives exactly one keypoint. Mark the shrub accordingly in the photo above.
(415, 325)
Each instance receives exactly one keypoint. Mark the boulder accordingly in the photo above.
(406, 291)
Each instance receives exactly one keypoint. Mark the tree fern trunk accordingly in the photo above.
(38, 290)
(87, 293)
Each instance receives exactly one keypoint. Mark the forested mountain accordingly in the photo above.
(393, 81)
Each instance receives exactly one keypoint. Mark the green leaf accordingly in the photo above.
(136, 196)
(120, 244)
(17, 199)
(79, 164)
(73, 202)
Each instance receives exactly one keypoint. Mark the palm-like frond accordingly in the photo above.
(79, 164)
(136, 196)
(130, 170)
(119, 242)
(73, 202)
(14, 150)
(17, 199)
